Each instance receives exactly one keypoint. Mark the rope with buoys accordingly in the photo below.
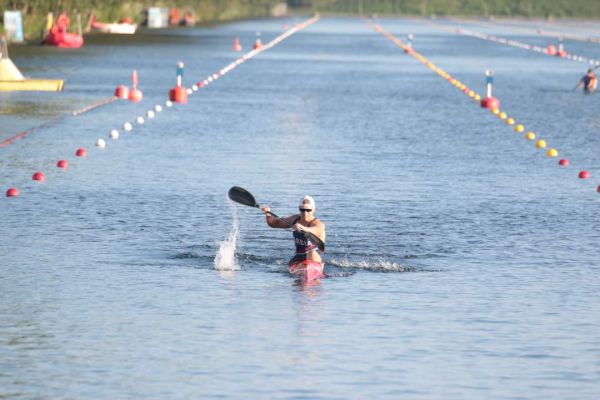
(549, 50)
(519, 128)
(114, 134)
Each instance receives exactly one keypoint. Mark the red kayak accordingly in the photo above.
(307, 270)
(64, 39)
(59, 35)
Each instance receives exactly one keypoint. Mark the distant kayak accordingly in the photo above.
(306, 270)
(64, 39)
(59, 35)
(120, 28)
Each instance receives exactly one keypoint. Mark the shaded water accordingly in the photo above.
(475, 258)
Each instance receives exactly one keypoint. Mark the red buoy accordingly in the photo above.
(490, 103)
(38, 176)
(135, 94)
(584, 175)
(179, 94)
(563, 162)
(12, 192)
(598, 189)
(236, 44)
(81, 152)
(200, 84)
(258, 43)
(561, 53)
(551, 50)
(62, 164)
(122, 92)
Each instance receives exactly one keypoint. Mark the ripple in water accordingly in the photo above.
(380, 265)
(225, 260)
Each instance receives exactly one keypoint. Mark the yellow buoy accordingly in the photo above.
(530, 135)
(502, 115)
(519, 128)
(510, 121)
(552, 152)
(471, 93)
(540, 144)
(495, 111)
(477, 97)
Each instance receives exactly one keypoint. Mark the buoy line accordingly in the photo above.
(540, 31)
(549, 50)
(176, 95)
(488, 102)
(18, 136)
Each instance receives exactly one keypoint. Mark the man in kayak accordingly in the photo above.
(305, 221)
(588, 81)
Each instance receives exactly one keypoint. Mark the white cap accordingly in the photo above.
(308, 201)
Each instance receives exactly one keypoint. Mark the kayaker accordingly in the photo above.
(588, 81)
(303, 222)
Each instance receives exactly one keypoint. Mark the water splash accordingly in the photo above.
(225, 259)
(379, 265)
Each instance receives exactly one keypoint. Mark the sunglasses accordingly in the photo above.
(304, 210)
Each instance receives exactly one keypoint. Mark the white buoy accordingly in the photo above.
(169, 103)
(127, 126)
(189, 91)
(210, 79)
(114, 134)
(158, 108)
(150, 114)
(195, 87)
(100, 143)
(139, 120)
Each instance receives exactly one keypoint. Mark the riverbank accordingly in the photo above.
(208, 11)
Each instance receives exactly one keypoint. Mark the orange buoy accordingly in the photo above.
(236, 44)
(179, 94)
(135, 94)
(551, 50)
(258, 43)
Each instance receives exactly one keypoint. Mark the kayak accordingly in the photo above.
(64, 39)
(306, 270)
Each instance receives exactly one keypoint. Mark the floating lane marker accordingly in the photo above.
(502, 116)
(549, 50)
(542, 32)
(136, 95)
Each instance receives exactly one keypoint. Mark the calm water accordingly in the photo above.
(474, 258)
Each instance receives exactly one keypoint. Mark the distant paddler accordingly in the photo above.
(308, 232)
(589, 82)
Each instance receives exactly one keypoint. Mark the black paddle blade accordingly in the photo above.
(242, 196)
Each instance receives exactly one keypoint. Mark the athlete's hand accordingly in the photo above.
(266, 210)
(298, 227)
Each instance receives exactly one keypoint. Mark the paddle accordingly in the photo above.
(244, 197)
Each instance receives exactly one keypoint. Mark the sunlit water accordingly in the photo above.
(466, 262)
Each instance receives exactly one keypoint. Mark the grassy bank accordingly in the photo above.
(34, 12)
(506, 8)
